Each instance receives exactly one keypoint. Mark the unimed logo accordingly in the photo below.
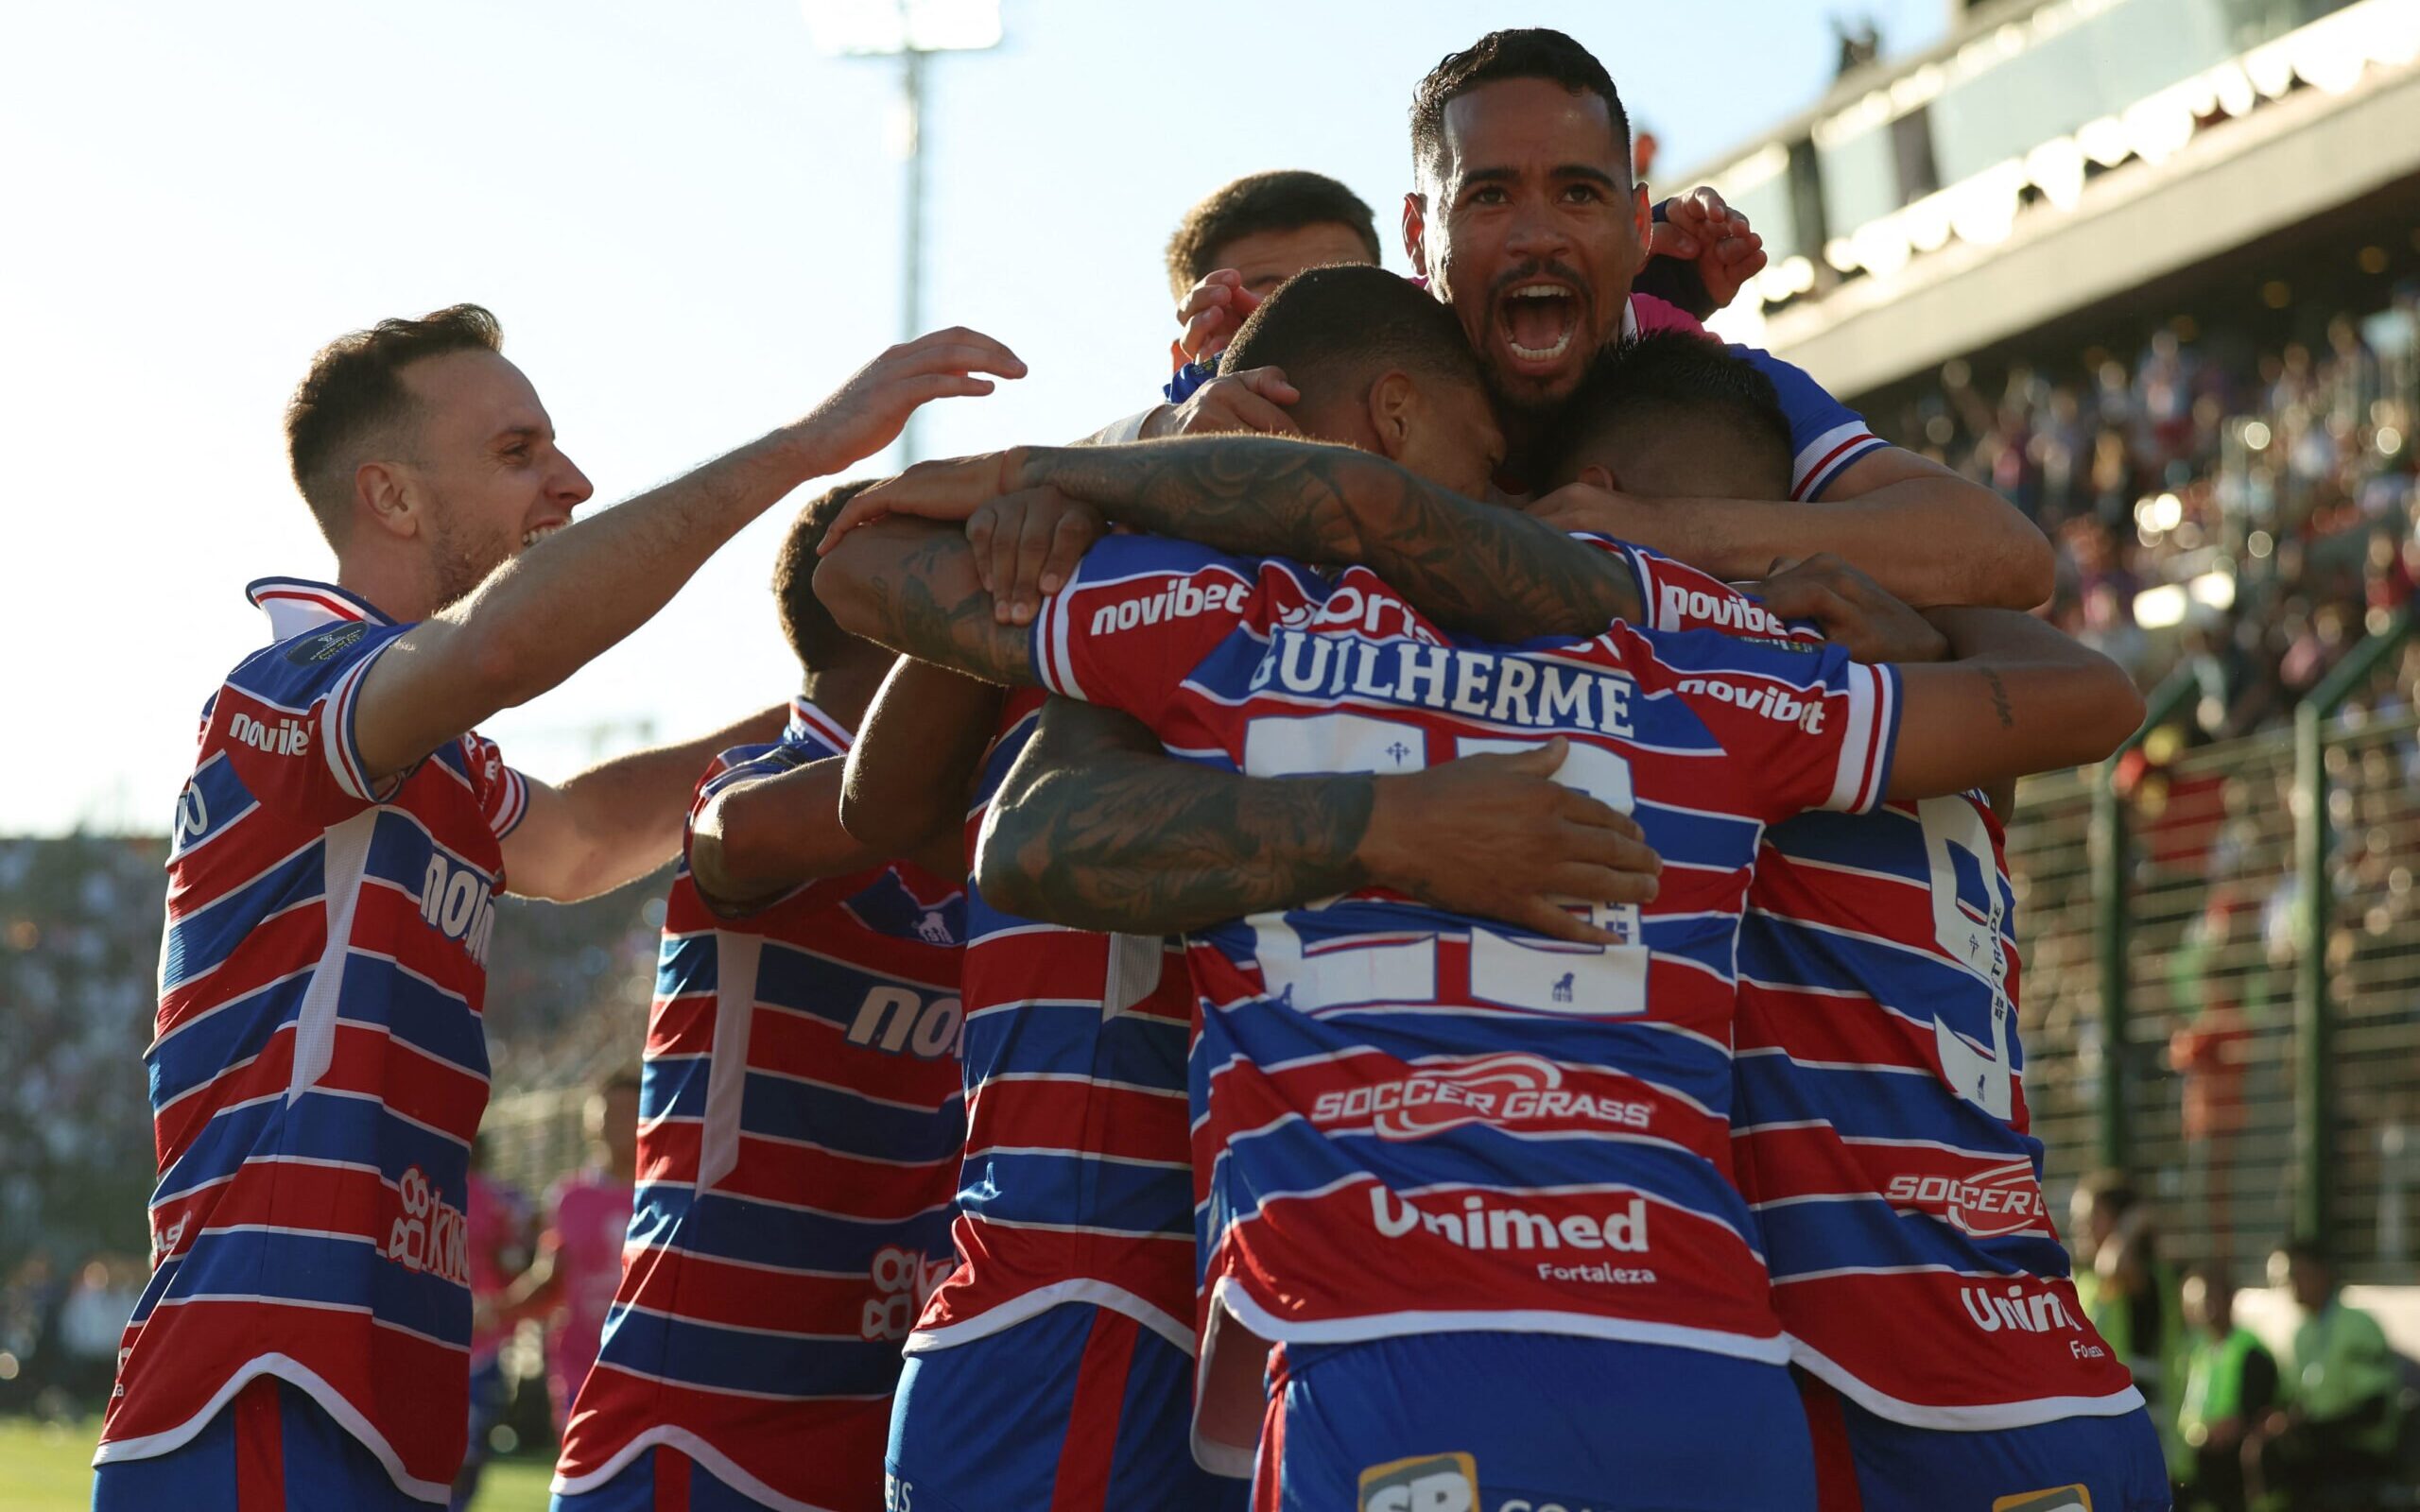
(1481, 1223)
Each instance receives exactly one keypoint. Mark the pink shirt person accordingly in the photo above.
(592, 1213)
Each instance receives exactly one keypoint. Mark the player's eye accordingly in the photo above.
(1486, 193)
(1582, 194)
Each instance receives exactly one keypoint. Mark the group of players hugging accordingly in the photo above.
(1310, 971)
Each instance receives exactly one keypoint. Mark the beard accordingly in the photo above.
(460, 561)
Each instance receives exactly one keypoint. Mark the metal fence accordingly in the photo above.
(2221, 984)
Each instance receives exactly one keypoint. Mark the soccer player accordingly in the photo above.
(1525, 221)
(802, 1131)
(1879, 1130)
(319, 1067)
(1392, 1249)
(580, 1256)
(1246, 238)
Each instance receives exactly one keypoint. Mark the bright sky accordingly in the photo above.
(688, 222)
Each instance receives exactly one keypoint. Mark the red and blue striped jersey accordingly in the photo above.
(1407, 1120)
(800, 1128)
(1076, 1185)
(318, 1066)
(1879, 1128)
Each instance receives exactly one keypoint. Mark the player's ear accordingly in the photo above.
(1415, 226)
(1394, 401)
(1597, 475)
(1642, 225)
(384, 493)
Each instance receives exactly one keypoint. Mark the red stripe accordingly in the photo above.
(1806, 486)
(260, 1448)
(1268, 1465)
(671, 1480)
(1836, 1488)
(334, 605)
(1083, 1485)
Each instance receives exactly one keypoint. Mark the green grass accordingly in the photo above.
(47, 1467)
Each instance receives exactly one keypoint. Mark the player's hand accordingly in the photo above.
(866, 413)
(1496, 836)
(1586, 508)
(1852, 609)
(1700, 228)
(1247, 401)
(1026, 544)
(948, 489)
(1213, 311)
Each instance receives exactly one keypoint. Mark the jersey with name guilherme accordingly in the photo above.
(1880, 1129)
(320, 1065)
(1075, 1186)
(800, 1136)
(1407, 1120)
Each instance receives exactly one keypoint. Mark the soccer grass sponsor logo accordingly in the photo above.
(1501, 1090)
(2001, 1200)
(1422, 1483)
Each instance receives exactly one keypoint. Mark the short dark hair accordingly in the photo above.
(1526, 52)
(814, 635)
(354, 389)
(1326, 326)
(1281, 199)
(1655, 380)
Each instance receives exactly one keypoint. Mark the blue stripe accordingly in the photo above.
(733, 1359)
(1074, 1039)
(1872, 1104)
(303, 1268)
(721, 1226)
(1065, 1188)
(1916, 989)
(415, 1012)
(207, 1045)
(318, 1126)
(1812, 1236)
(207, 935)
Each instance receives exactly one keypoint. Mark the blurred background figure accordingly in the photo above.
(2230, 1385)
(2330, 1443)
(580, 1255)
(2131, 1294)
(498, 1222)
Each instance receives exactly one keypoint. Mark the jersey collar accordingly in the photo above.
(297, 605)
(807, 721)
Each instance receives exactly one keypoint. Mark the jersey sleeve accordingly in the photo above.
(1799, 728)
(1825, 435)
(284, 721)
(503, 792)
(744, 763)
(1142, 611)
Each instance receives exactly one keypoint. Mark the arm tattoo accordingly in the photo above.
(1120, 840)
(1482, 569)
(949, 628)
(1999, 697)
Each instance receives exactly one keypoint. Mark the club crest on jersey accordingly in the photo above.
(287, 737)
(428, 1235)
(1501, 688)
(2002, 1200)
(1506, 1088)
(904, 1282)
(1423, 1482)
(458, 903)
(324, 646)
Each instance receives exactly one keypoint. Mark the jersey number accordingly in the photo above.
(1509, 969)
(1951, 825)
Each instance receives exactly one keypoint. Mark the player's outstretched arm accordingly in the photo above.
(545, 614)
(1097, 828)
(2020, 697)
(911, 769)
(1470, 566)
(913, 585)
(618, 820)
(1928, 536)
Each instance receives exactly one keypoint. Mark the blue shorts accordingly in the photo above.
(661, 1479)
(1529, 1422)
(1078, 1409)
(1870, 1464)
(270, 1448)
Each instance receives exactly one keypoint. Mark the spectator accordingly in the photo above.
(580, 1256)
(2336, 1430)
(2129, 1293)
(496, 1221)
(2230, 1385)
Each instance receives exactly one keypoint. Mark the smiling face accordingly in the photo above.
(484, 467)
(1529, 226)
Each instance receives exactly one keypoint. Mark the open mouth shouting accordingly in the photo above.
(540, 532)
(1538, 319)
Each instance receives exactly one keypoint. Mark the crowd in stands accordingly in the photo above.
(2286, 475)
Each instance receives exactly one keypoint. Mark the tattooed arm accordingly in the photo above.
(1484, 569)
(2020, 696)
(911, 585)
(1095, 827)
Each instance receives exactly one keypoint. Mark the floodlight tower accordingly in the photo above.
(909, 30)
